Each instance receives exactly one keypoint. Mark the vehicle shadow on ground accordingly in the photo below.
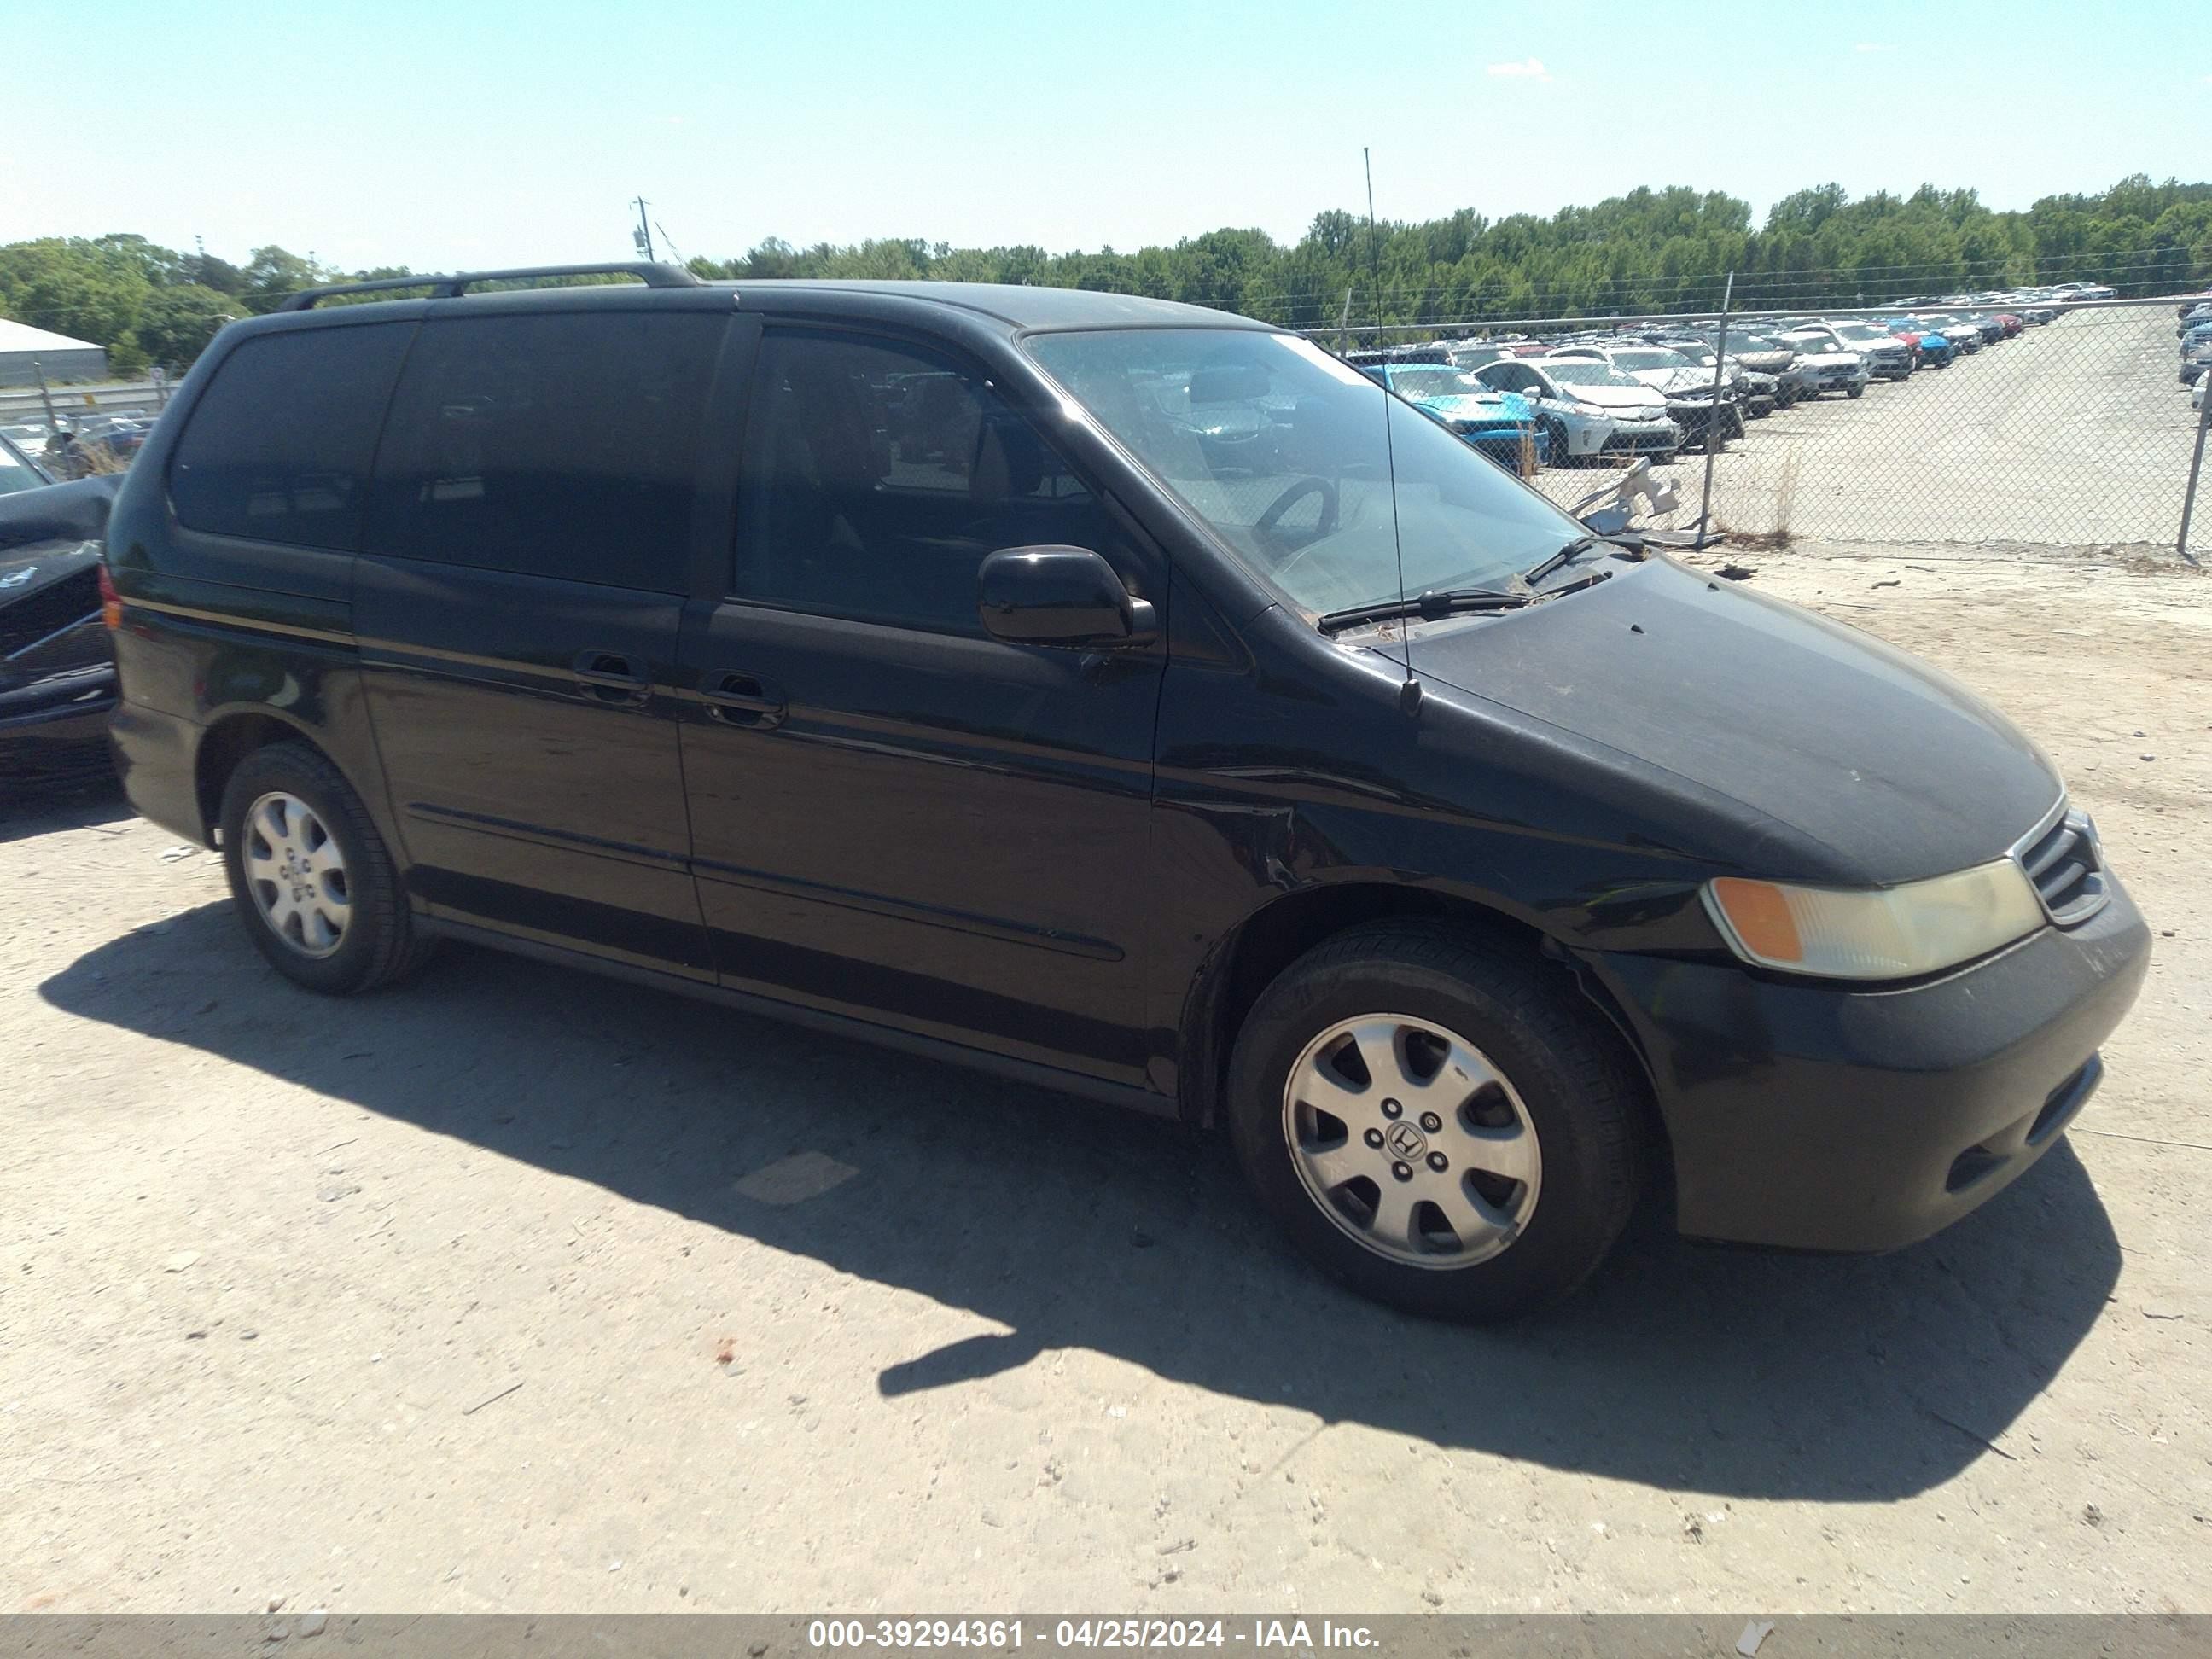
(1727, 1372)
(44, 806)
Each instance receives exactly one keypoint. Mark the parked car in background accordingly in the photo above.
(1888, 358)
(18, 471)
(1498, 424)
(1757, 392)
(1931, 348)
(1966, 339)
(1761, 353)
(1588, 409)
(2195, 361)
(29, 435)
(1704, 415)
(1829, 365)
(57, 669)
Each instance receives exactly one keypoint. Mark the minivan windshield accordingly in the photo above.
(1299, 488)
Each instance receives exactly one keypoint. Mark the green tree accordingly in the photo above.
(73, 287)
(176, 324)
(272, 274)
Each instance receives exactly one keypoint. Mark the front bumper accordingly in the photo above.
(56, 724)
(1640, 438)
(1825, 1117)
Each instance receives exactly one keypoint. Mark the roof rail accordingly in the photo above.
(449, 287)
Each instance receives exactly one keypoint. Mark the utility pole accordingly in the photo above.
(643, 236)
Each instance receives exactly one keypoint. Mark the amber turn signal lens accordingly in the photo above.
(1759, 913)
(110, 602)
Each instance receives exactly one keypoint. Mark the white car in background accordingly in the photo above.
(1589, 407)
(1830, 365)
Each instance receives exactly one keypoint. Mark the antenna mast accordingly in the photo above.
(1409, 689)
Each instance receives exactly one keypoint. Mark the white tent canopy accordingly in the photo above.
(62, 358)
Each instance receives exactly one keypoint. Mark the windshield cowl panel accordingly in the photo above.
(1298, 482)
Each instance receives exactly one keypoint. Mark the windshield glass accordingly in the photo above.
(14, 474)
(1300, 492)
(1434, 383)
(1573, 371)
(1650, 359)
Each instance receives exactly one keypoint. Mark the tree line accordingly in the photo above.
(1648, 250)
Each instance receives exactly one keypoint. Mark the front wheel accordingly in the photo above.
(313, 882)
(1855, 391)
(1434, 1124)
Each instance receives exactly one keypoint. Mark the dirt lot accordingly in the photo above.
(517, 1289)
(2075, 432)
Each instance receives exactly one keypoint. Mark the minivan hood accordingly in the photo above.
(1889, 770)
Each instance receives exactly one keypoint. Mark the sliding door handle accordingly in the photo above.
(741, 700)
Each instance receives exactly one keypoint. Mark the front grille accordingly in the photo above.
(2067, 866)
(51, 609)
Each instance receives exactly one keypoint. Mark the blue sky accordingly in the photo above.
(491, 132)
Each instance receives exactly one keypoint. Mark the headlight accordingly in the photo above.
(1596, 409)
(1890, 932)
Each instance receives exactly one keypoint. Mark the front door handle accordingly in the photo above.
(741, 700)
(611, 677)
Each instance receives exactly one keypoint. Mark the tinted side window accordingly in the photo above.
(563, 445)
(879, 475)
(278, 445)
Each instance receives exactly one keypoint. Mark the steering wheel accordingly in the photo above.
(1265, 526)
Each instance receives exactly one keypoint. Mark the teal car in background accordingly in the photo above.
(1496, 424)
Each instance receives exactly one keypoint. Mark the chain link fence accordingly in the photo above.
(2055, 422)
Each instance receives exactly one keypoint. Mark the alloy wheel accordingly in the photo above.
(296, 873)
(1412, 1140)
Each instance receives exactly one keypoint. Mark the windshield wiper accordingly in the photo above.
(1428, 606)
(1574, 549)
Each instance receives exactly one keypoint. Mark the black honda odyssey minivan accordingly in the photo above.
(1126, 696)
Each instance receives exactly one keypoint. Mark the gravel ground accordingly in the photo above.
(518, 1288)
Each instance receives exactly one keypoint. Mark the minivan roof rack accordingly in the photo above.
(449, 287)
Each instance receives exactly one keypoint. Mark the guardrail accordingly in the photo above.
(19, 403)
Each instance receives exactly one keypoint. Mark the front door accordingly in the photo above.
(519, 602)
(894, 815)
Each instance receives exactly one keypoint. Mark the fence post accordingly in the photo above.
(1720, 365)
(2189, 495)
(54, 425)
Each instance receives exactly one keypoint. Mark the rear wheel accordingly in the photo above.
(314, 884)
(1434, 1125)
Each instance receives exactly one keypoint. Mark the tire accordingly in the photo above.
(336, 922)
(1555, 1119)
(1855, 391)
(1555, 434)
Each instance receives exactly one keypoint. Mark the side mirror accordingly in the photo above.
(1060, 596)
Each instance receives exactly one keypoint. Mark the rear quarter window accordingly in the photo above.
(278, 448)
